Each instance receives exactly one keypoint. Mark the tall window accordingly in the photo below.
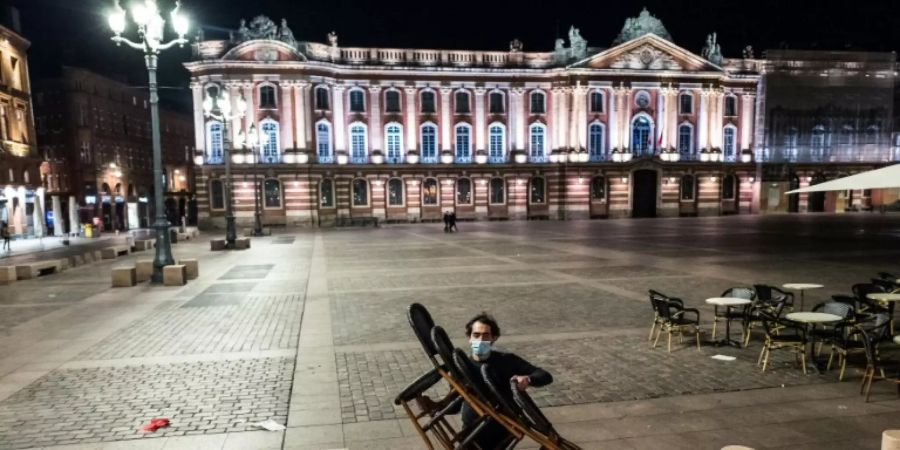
(395, 192)
(498, 194)
(323, 142)
(393, 142)
(687, 187)
(685, 139)
(272, 194)
(326, 193)
(595, 141)
(496, 140)
(270, 152)
(463, 191)
(598, 188)
(792, 138)
(430, 192)
(322, 97)
(360, 192)
(537, 134)
(686, 104)
(496, 103)
(462, 102)
(217, 194)
(427, 102)
(596, 102)
(463, 143)
(731, 105)
(357, 101)
(392, 101)
(429, 142)
(818, 137)
(640, 135)
(728, 187)
(537, 103)
(536, 191)
(214, 142)
(846, 135)
(729, 139)
(267, 96)
(358, 143)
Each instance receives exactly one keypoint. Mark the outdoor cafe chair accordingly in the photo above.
(537, 419)
(782, 334)
(769, 301)
(871, 338)
(866, 305)
(828, 333)
(733, 313)
(849, 339)
(675, 319)
(657, 319)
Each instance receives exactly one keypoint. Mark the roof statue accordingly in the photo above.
(333, 39)
(748, 52)
(711, 51)
(578, 43)
(261, 27)
(644, 23)
(286, 35)
(515, 46)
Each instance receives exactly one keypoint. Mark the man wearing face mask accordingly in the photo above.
(482, 332)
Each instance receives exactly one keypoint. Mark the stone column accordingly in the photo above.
(703, 120)
(38, 216)
(479, 118)
(715, 126)
(672, 113)
(286, 110)
(554, 118)
(301, 93)
(612, 109)
(234, 91)
(58, 220)
(512, 123)
(199, 127)
(564, 124)
(746, 138)
(626, 119)
(521, 113)
(337, 109)
(445, 118)
(579, 97)
(411, 115)
(659, 140)
(375, 131)
(251, 109)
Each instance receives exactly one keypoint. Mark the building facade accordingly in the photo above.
(20, 181)
(94, 133)
(644, 128)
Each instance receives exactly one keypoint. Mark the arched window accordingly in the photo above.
(360, 192)
(323, 142)
(818, 137)
(326, 193)
(267, 96)
(685, 139)
(358, 143)
(872, 134)
(357, 101)
(463, 191)
(214, 142)
(685, 103)
(728, 187)
(687, 187)
(596, 102)
(395, 192)
(598, 188)
(595, 141)
(496, 142)
(729, 142)
(463, 134)
(730, 106)
(537, 103)
(495, 103)
(392, 101)
(498, 191)
(322, 98)
(430, 192)
(216, 194)
(536, 143)
(427, 102)
(270, 148)
(429, 142)
(272, 194)
(536, 191)
(846, 135)
(792, 138)
(462, 102)
(393, 133)
(641, 135)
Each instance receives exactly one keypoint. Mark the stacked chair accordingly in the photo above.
(494, 403)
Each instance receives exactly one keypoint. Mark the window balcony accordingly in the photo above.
(325, 159)
(432, 159)
(463, 159)
(359, 159)
(217, 159)
(497, 159)
(270, 159)
(393, 159)
(537, 158)
(598, 157)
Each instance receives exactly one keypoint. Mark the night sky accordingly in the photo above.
(75, 32)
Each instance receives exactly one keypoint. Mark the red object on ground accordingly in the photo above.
(155, 424)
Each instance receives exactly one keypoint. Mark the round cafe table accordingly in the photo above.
(811, 319)
(801, 287)
(885, 297)
(728, 303)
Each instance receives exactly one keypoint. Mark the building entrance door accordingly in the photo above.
(643, 194)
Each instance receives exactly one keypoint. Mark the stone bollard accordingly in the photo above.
(174, 275)
(144, 269)
(192, 268)
(123, 277)
(8, 274)
(890, 440)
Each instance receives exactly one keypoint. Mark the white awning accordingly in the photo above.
(883, 178)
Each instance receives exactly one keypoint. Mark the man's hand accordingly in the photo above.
(522, 381)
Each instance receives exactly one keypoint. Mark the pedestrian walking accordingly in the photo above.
(452, 221)
(5, 234)
(446, 222)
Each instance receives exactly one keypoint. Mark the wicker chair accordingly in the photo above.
(770, 301)
(657, 320)
(871, 338)
(782, 335)
(731, 314)
(675, 319)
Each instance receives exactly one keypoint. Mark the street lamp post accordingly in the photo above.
(254, 141)
(150, 26)
(219, 108)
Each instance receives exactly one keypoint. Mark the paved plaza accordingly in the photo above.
(308, 328)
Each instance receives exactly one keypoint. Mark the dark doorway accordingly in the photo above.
(816, 200)
(643, 195)
(794, 199)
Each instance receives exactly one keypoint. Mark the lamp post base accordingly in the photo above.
(230, 232)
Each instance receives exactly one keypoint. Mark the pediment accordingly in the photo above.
(264, 50)
(648, 52)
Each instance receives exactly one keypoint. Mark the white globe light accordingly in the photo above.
(301, 158)
(554, 157)
(342, 159)
(412, 158)
(447, 158)
(521, 158)
(198, 160)
(180, 22)
(583, 157)
(237, 158)
(377, 158)
(288, 158)
(117, 20)
(481, 158)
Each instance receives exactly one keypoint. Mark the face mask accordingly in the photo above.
(481, 349)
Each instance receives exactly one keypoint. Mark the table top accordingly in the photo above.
(802, 286)
(812, 317)
(884, 296)
(727, 301)
(897, 339)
